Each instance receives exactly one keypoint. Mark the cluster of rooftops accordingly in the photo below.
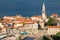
(10, 20)
(18, 19)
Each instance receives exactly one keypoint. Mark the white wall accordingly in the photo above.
(35, 18)
(1, 25)
(35, 26)
(31, 26)
(17, 25)
(53, 31)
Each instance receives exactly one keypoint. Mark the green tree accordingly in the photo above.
(0, 30)
(39, 27)
(23, 24)
(55, 37)
(19, 38)
(46, 28)
(45, 38)
(52, 22)
(58, 34)
(1, 19)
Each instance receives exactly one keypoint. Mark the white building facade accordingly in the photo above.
(52, 30)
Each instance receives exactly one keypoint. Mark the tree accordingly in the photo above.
(46, 28)
(52, 22)
(23, 24)
(55, 37)
(45, 38)
(1, 19)
(0, 29)
(19, 38)
(58, 34)
(39, 27)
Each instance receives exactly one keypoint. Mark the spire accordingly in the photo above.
(43, 7)
(44, 16)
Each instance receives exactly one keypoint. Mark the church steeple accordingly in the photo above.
(43, 8)
(44, 16)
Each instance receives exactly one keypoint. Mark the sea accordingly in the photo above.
(28, 8)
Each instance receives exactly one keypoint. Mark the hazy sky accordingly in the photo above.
(28, 7)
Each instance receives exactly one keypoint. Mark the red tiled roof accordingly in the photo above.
(6, 27)
(53, 26)
(37, 16)
(20, 27)
(19, 19)
(17, 22)
(7, 17)
(54, 14)
(28, 21)
(12, 27)
(7, 20)
(34, 21)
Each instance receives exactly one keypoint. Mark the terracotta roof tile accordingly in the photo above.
(54, 14)
(12, 27)
(7, 20)
(53, 26)
(28, 21)
(34, 21)
(37, 16)
(6, 27)
(20, 27)
(19, 22)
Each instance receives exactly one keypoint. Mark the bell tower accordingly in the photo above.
(44, 16)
